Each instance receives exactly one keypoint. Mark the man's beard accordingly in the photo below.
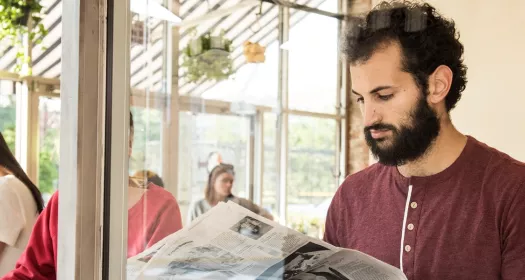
(410, 141)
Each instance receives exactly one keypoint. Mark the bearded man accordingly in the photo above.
(438, 204)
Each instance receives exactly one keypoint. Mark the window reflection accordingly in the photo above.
(153, 212)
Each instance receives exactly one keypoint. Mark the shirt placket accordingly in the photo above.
(411, 227)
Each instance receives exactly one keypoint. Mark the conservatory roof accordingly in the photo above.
(147, 66)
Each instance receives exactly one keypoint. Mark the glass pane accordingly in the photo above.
(270, 180)
(311, 180)
(148, 53)
(153, 211)
(147, 141)
(312, 49)
(205, 141)
(8, 113)
(233, 76)
(49, 145)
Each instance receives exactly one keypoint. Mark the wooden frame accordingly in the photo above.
(81, 139)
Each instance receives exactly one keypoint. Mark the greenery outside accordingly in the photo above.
(48, 156)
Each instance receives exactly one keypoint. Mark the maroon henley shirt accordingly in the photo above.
(466, 222)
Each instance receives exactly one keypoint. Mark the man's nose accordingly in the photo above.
(370, 115)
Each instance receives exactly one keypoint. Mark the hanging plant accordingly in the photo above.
(208, 56)
(14, 18)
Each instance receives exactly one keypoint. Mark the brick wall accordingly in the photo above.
(357, 156)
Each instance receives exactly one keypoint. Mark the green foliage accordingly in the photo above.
(48, 157)
(8, 120)
(13, 19)
(48, 162)
(9, 133)
(311, 162)
(208, 56)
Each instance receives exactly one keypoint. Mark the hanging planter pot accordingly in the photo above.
(253, 52)
(208, 57)
(217, 42)
(196, 47)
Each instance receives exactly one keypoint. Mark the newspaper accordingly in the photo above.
(231, 242)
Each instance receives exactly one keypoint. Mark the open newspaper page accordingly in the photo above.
(231, 242)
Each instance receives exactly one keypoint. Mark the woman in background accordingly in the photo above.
(20, 204)
(219, 188)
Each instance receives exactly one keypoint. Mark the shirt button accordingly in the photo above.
(410, 226)
(408, 248)
(413, 205)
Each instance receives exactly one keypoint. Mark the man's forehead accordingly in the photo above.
(383, 67)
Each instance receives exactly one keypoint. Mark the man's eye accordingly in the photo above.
(385, 97)
(360, 100)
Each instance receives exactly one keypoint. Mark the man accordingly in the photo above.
(439, 204)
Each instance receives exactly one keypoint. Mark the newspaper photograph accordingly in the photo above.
(299, 261)
(351, 265)
(231, 242)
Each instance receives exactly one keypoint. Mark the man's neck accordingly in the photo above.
(444, 151)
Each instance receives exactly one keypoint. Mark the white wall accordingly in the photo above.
(493, 33)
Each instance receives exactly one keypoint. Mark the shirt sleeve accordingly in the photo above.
(11, 219)
(169, 221)
(38, 261)
(513, 250)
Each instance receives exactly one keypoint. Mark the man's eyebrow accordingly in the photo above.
(375, 90)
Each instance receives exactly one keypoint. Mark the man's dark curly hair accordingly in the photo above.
(427, 40)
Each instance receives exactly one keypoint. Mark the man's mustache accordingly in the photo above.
(380, 126)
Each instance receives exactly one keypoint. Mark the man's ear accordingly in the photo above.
(439, 84)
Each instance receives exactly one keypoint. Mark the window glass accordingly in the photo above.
(311, 166)
(49, 145)
(312, 51)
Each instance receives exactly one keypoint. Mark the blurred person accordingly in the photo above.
(20, 204)
(153, 213)
(439, 204)
(219, 188)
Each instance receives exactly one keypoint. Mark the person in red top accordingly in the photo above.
(439, 204)
(153, 213)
